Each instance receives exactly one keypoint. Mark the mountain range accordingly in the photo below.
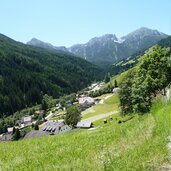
(108, 49)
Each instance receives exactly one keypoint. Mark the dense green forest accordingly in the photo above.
(27, 73)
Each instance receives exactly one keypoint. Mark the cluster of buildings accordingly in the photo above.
(85, 102)
(55, 127)
(51, 127)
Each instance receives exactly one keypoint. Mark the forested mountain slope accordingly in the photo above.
(27, 72)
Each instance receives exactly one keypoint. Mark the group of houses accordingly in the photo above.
(51, 127)
(55, 127)
(25, 121)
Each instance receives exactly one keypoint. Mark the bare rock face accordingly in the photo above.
(108, 49)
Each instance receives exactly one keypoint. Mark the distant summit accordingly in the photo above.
(39, 43)
(107, 49)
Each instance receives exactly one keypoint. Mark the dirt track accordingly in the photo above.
(100, 116)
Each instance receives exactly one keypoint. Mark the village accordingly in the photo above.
(43, 123)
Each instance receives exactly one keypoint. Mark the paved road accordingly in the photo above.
(100, 116)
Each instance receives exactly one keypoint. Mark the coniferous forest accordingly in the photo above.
(27, 73)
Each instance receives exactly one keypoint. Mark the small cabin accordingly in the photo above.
(84, 124)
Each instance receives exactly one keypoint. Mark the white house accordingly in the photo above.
(55, 127)
(85, 102)
(84, 124)
(10, 129)
(115, 90)
(27, 120)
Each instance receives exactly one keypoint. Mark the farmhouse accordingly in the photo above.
(84, 124)
(85, 102)
(10, 129)
(26, 120)
(49, 128)
(55, 127)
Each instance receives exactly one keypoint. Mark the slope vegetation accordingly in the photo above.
(27, 72)
(138, 144)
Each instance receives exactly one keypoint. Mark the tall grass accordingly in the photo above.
(139, 144)
(152, 153)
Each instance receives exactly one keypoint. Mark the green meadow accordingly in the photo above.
(138, 144)
(109, 105)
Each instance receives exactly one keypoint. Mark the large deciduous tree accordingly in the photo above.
(152, 75)
(73, 116)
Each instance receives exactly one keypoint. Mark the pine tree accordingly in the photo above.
(36, 126)
(16, 135)
(13, 131)
(115, 84)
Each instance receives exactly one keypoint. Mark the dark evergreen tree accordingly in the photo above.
(32, 125)
(5, 130)
(16, 135)
(13, 131)
(36, 126)
(115, 84)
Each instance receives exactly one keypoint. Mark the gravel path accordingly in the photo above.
(100, 116)
(102, 101)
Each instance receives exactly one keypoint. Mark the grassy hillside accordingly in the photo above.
(138, 144)
(109, 104)
(27, 72)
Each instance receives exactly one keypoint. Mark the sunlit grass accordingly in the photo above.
(110, 105)
(138, 144)
(101, 109)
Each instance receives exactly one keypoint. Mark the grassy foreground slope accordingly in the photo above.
(138, 144)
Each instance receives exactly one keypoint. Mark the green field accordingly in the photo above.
(138, 144)
(110, 105)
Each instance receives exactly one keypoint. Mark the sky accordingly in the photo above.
(68, 22)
